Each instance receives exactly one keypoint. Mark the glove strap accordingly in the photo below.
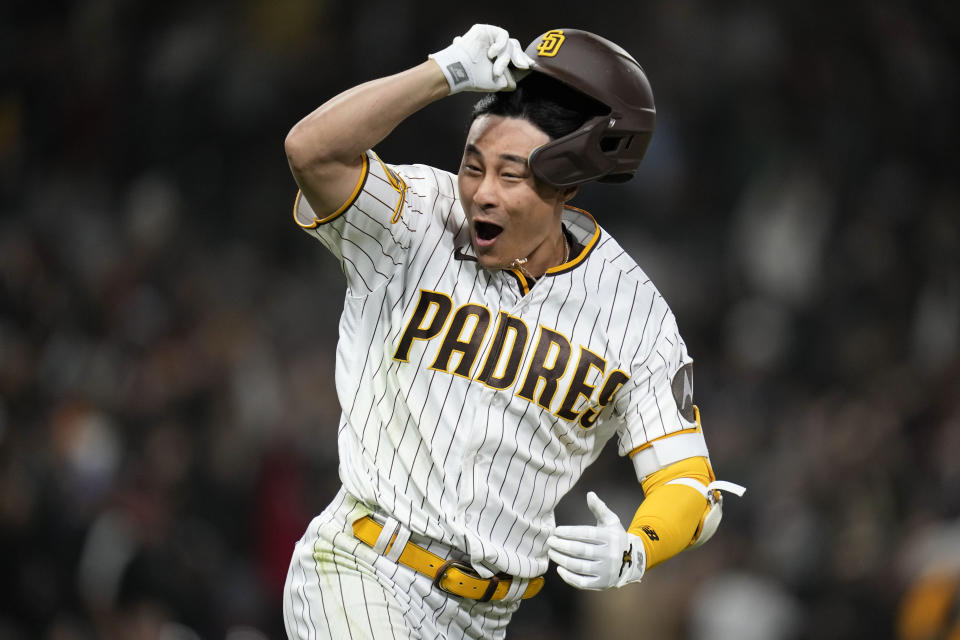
(453, 70)
(637, 566)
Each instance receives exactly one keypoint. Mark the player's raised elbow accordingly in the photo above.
(304, 151)
(318, 156)
(313, 140)
(325, 170)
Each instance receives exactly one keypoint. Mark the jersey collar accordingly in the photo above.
(582, 233)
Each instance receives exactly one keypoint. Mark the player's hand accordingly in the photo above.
(485, 58)
(597, 557)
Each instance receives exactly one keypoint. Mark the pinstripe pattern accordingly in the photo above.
(337, 587)
(470, 466)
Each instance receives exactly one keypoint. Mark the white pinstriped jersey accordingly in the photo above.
(472, 401)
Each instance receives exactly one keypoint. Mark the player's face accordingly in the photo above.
(511, 215)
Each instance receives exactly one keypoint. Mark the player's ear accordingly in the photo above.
(568, 193)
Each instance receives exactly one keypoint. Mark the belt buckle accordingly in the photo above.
(461, 566)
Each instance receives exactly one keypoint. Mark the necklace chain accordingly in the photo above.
(519, 263)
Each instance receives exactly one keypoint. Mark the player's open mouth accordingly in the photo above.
(486, 232)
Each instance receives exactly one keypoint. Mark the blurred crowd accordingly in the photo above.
(167, 334)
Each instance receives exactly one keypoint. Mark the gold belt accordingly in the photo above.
(453, 577)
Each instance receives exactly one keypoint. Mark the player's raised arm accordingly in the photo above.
(325, 148)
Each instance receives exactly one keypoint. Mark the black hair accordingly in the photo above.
(548, 104)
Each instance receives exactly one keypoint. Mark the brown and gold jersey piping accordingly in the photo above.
(346, 205)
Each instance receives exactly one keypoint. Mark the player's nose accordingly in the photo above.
(486, 195)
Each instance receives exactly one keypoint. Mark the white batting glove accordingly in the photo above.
(597, 557)
(480, 60)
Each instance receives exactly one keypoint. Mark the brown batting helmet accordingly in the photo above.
(607, 148)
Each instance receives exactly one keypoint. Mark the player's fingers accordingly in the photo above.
(518, 58)
(573, 548)
(601, 511)
(570, 578)
(574, 565)
(500, 64)
(573, 562)
(500, 40)
(576, 580)
(580, 533)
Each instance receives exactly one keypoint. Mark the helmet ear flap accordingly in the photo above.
(592, 152)
(574, 158)
(629, 150)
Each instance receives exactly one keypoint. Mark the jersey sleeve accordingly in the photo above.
(661, 425)
(371, 233)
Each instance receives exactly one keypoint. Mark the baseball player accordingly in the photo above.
(493, 339)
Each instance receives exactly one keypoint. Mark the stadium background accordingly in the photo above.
(167, 415)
